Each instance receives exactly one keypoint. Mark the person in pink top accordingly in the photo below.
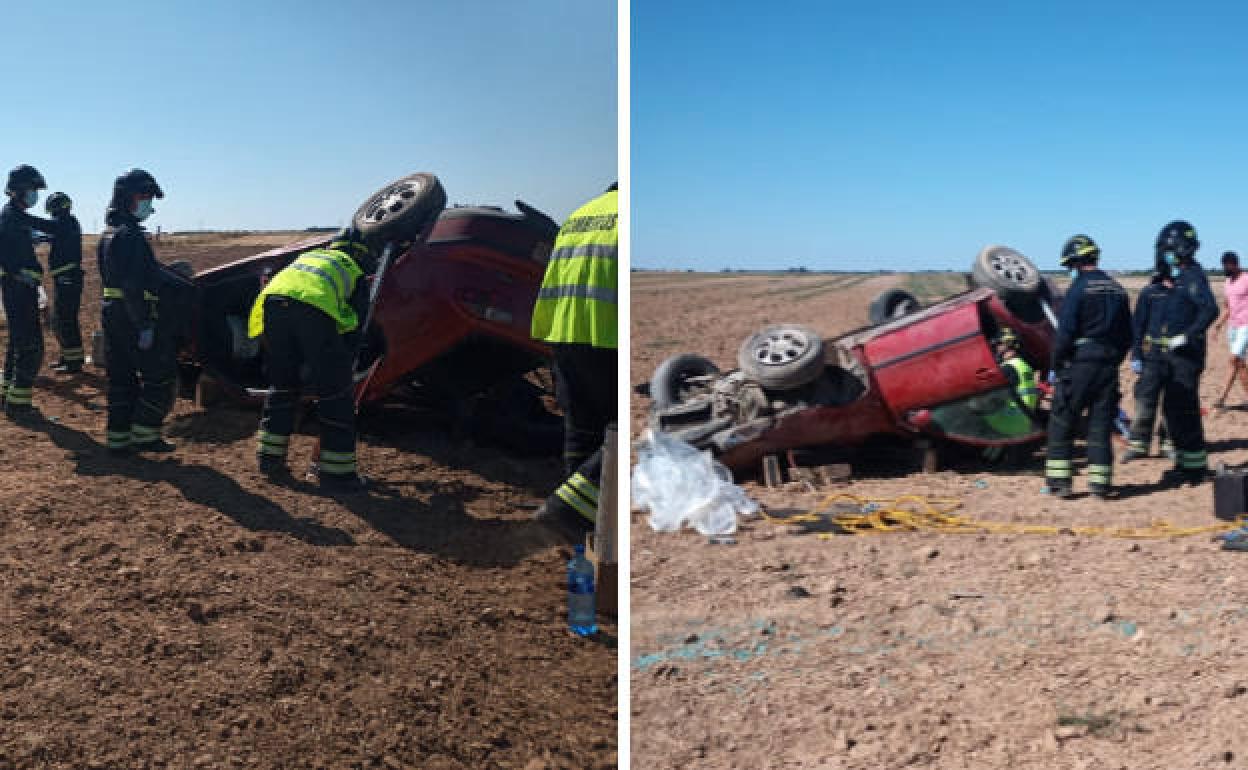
(1236, 289)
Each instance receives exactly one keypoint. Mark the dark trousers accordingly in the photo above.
(66, 302)
(25, 351)
(140, 382)
(1091, 386)
(585, 382)
(1178, 379)
(296, 334)
(1147, 399)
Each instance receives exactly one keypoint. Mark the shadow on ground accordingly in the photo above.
(197, 483)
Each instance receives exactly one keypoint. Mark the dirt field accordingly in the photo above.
(181, 612)
(941, 651)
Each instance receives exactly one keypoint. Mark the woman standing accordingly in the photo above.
(1236, 289)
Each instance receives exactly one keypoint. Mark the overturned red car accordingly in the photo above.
(449, 324)
(912, 373)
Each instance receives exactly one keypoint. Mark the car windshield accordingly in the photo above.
(994, 415)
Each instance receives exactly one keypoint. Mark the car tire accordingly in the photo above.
(669, 383)
(782, 357)
(891, 304)
(1005, 271)
(402, 210)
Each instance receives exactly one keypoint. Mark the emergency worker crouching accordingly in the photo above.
(306, 314)
(1093, 337)
(142, 365)
(1013, 418)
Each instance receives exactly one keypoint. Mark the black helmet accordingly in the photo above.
(57, 202)
(1007, 338)
(23, 178)
(1179, 238)
(351, 242)
(136, 181)
(1079, 248)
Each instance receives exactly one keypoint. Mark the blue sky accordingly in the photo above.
(287, 114)
(907, 135)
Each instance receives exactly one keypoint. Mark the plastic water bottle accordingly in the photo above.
(581, 615)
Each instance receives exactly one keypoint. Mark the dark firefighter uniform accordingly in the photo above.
(575, 314)
(21, 277)
(1174, 372)
(65, 270)
(1148, 385)
(303, 313)
(1093, 337)
(140, 381)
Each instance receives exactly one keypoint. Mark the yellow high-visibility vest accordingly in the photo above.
(577, 302)
(322, 278)
(1026, 388)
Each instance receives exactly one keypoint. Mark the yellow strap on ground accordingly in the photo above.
(915, 513)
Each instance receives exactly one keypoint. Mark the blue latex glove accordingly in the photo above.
(146, 337)
(1137, 366)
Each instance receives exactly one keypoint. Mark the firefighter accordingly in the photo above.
(141, 354)
(1148, 383)
(576, 315)
(1014, 417)
(1174, 344)
(309, 314)
(65, 269)
(22, 277)
(1093, 338)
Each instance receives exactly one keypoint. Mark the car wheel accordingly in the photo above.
(782, 357)
(891, 304)
(1005, 271)
(669, 385)
(402, 210)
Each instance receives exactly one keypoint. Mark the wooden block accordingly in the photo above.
(836, 473)
(772, 476)
(606, 583)
(931, 458)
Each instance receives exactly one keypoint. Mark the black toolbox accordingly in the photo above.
(1230, 493)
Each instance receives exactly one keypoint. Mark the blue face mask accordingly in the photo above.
(31, 198)
(144, 209)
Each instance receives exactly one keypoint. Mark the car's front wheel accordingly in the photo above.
(1005, 271)
(782, 357)
(402, 210)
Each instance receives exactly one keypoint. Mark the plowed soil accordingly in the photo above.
(180, 611)
(788, 650)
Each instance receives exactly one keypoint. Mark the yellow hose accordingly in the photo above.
(915, 513)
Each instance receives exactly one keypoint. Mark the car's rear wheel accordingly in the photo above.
(402, 210)
(1005, 271)
(670, 383)
(890, 304)
(782, 357)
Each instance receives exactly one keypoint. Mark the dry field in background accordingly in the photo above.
(923, 650)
